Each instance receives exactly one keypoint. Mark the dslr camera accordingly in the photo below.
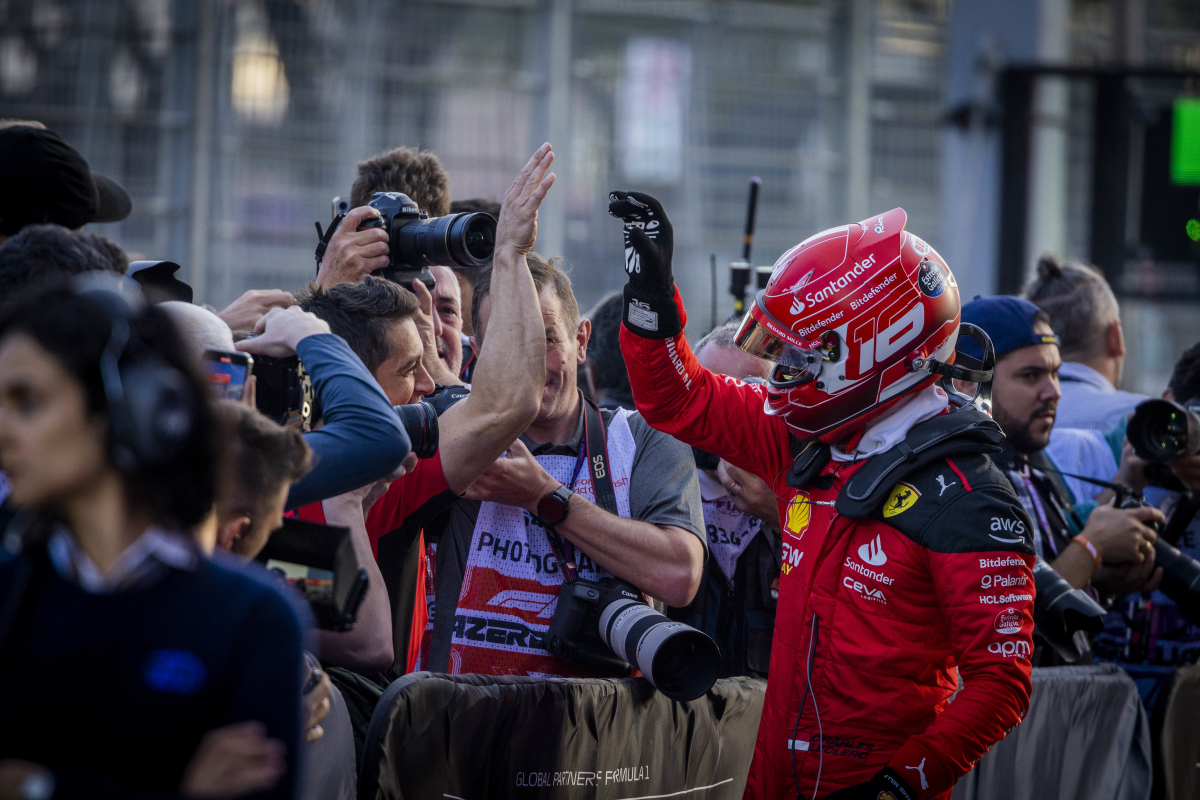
(417, 241)
(1160, 430)
(318, 561)
(605, 625)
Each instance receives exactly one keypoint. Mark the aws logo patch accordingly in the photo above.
(903, 497)
(799, 513)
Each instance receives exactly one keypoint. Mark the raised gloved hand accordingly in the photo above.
(886, 783)
(650, 293)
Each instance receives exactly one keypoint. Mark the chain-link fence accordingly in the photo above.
(233, 123)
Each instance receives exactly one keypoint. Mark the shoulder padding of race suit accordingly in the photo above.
(963, 432)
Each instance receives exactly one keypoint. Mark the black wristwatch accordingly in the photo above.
(552, 509)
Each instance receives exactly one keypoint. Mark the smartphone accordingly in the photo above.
(228, 372)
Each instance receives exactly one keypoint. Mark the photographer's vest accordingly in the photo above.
(512, 577)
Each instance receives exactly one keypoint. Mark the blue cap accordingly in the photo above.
(1008, 322)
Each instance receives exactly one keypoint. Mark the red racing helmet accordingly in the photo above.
(851, 317)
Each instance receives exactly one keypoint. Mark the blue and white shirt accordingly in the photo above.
(1090, 401)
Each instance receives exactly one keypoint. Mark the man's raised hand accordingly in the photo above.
(517, 226)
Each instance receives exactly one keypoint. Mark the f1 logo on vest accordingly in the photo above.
(866, 349)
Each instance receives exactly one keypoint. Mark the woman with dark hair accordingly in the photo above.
(130, 664)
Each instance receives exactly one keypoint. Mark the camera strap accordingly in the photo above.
(323, 237)
(593, 449)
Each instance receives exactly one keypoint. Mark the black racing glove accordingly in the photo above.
(887, 783)
(650, 309)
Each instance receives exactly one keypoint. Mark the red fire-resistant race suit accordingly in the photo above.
(934, 582)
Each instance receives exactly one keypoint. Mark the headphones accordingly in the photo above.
(151, 407)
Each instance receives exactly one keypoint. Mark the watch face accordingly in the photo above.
(551, 509)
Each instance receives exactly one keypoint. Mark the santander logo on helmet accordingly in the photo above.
(843, 316)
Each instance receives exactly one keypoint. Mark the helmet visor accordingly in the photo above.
(794, 365)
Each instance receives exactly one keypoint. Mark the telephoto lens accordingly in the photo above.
(1160, 430)
(681, 662)
(1063, 614)
(421, 423)
(1181, 579)
(455, 240)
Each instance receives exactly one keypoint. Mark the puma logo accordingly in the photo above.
(942, 482)
(920, 768)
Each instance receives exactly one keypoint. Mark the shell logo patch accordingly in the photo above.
(799, 512)
(903, 497)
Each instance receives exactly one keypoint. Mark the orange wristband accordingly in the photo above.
(1091, 548)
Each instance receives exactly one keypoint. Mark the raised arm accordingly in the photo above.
(507, 386)
(672, 391)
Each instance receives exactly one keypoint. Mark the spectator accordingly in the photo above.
(47, 180)
(43, 252)
(496, 543)
(737, 599)
(417, 173)
(605, 366)
(1081, 308)
(361, 439)
(1080, 540)
(189, 677)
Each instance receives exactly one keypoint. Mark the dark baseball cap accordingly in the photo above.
(1008, 322)
(44, 179)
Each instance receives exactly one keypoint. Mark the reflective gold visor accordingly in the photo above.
(795, 365)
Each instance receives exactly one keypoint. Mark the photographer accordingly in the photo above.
(737, 600)
(496, 543)
(187, 667)
(361, 439)
(1145, 632)
(1112, 549)
(350, 256)
(878, 609)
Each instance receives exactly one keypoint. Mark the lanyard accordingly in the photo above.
(594, 441)
(1036, 499)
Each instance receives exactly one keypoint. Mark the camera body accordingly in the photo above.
(417, 241)
(284, 392)
(606, 626)
(574, 633)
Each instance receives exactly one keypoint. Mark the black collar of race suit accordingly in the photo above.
(967, 430)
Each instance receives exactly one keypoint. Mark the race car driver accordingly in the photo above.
(894, 519)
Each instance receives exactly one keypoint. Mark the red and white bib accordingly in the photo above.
(512, 577)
